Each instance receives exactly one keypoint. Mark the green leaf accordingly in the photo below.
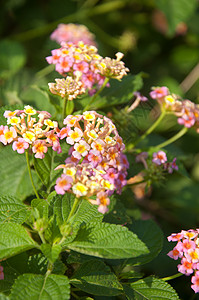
(176, 12)
(38, 263)
(118, 93)
(38, 98)
(13, 210)
(14, 174)
(12, 58)
(34, 287)
(44, 167)
(117, 213)
(107, 241)
(41, 206)
(14, 239)
(51, 252)
(96, 278)
(86, 211)
(3, 297)
(151, 235)
(150, 288)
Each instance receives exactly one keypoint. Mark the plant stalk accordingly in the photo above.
(30, 174)
(172, 277)
(173, 138)
(64, 109)
(74, 208)
(149, 131)
(97, 93)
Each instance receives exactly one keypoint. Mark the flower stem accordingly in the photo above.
(30, 174)
(97, 93)
(64, 109)
(74, 208)
(173, 138)
(172, 277)
(153, 126)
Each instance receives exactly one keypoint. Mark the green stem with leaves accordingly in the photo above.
(173, 138)
(30, 174)
(96, 94)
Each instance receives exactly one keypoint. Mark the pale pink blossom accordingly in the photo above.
(20, 145)
(63, 184)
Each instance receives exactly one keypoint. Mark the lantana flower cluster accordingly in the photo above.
(187, 249)
(186, 111)
(73, 33)
(29, 128)
(96, 165)
(94, 69)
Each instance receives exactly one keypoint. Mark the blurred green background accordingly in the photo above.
(159, 38)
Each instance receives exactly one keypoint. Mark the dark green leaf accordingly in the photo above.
(150, 288)
(95, 278)
(151, 235)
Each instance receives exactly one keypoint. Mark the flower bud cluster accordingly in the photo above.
(71, 58)
(186, 111)
(187, 249)
(96, 165)
(69, 88)
(73, 33)
(113, 68)
(159, 158)
(29, 128)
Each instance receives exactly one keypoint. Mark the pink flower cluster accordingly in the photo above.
(186, 111)
(73, 33)
(83, 58)
(187, 249)
(1, 273)
(96, 165)
(25, 131)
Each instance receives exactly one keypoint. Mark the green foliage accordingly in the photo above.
(176, 11)
(32, 286)
(13, 210)
(14, 239)
(150, 288)
(107, 241)
(12, 58)
(149, 233)
(94, 277)
(14, 174)
(117, 94)
(51, 252)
